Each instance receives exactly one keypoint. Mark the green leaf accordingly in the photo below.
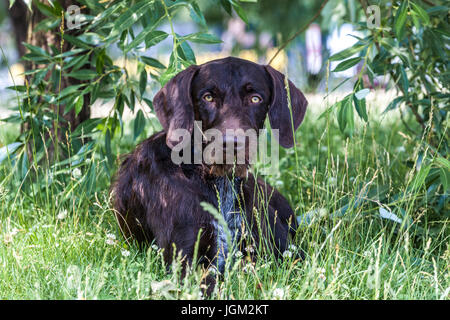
(24, 165)
(86, 127)
(17, 88)
(75, 41)
(152, 62)
(47, 24)
(186, 53)
(415, 20)
(341, 110)
(91, 178)
(77, 62)
(148, 102)
(142, 82)
(67, 91)
(79, 102)
(341, 115)
(132, 101)
(100, 18)
(202, 38)
(79, 157)
(168, 74)
(119, 104)
(393, 104)
(36, 50)
(47, 10)
(84, 74)
(420, 12)
(69, 53)
(240, 12)
(197, 15)
(139, 124)
(360, 106)
(130, 17)
(419, 179)
(154, 38)
(227, 6)
(108, 147)
(91, 38)
(404, 79)
(346, 116)
(94, 93)
(143, 36)
(100, 61)
(444, 175)
(400, 20)
(344, 54)
(344, 65)
(443, 162)
(349, 117)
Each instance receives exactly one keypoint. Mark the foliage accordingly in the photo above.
(131, 28)
(408, 46)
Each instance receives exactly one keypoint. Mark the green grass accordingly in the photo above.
(58, 242)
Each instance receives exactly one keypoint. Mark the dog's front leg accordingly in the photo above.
(179, 252)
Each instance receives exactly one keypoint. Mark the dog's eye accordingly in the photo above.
(255, 99)
(208, 97)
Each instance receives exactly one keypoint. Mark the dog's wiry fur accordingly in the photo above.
(158, 200)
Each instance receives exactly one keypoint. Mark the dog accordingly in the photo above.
(158, 200)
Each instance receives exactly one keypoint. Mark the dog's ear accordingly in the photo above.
(279, 112)
(173, 105)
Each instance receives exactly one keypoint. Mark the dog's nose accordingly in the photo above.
(237, 142)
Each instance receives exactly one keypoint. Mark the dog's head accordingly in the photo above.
(230, 94)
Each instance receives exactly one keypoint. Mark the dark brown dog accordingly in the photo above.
(158, 200)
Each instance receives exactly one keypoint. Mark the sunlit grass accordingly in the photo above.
(57, 242)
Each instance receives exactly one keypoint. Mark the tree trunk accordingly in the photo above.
(24, 26)
(18, 15)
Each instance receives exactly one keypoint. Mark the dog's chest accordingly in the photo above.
(228, 191)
